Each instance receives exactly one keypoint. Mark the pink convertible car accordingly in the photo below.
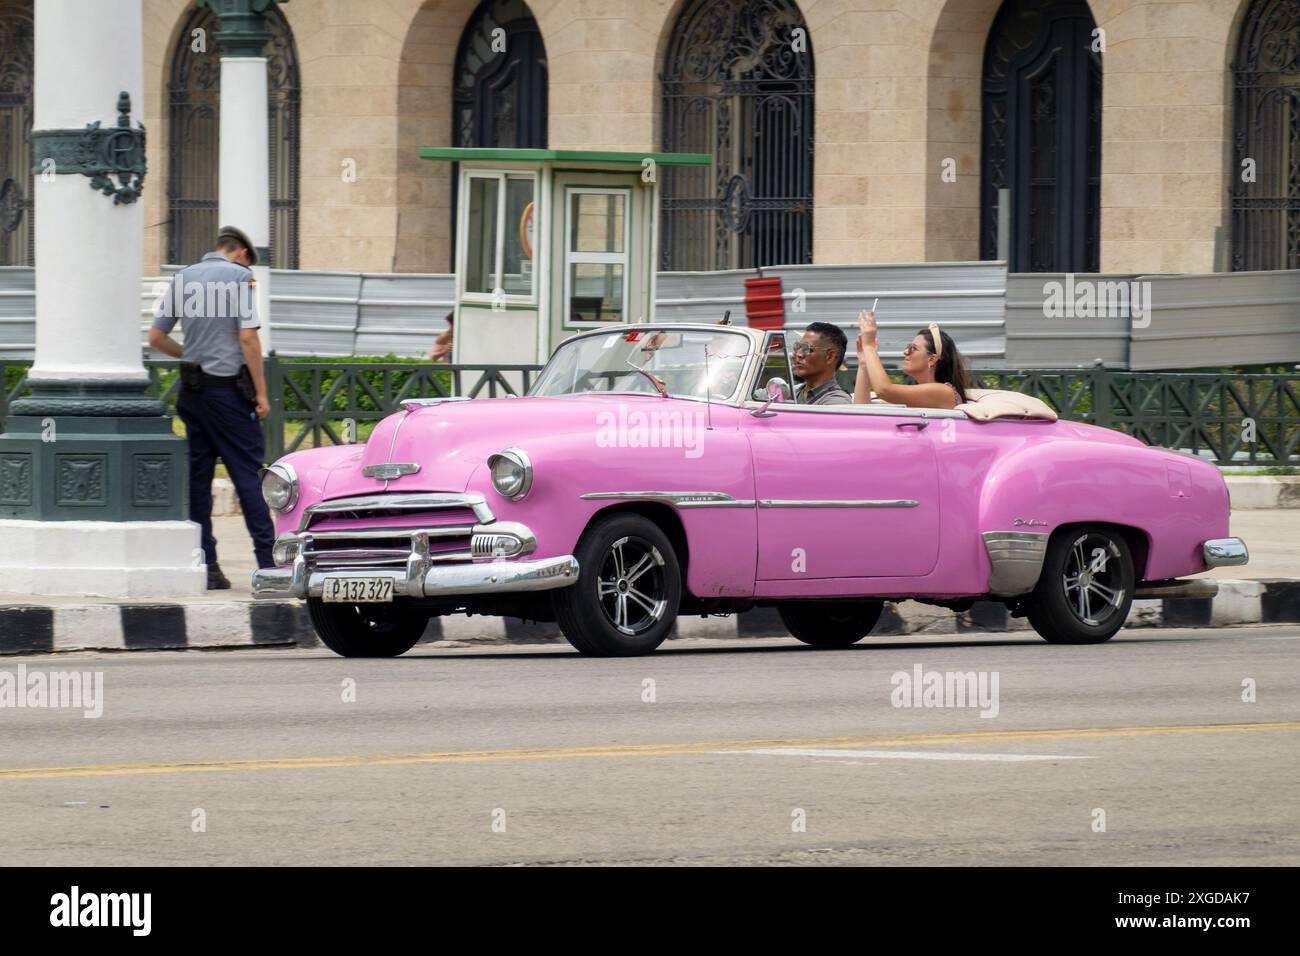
(661, 470)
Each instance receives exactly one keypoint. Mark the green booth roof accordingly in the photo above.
(461, 154)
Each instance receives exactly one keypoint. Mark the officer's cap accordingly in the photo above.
(230, 232)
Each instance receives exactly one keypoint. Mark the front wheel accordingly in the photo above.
(628, 590)
(1085, 591)
(830, 623)
(366, 630)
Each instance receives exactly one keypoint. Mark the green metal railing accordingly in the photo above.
(1231, 418)
(1235, 418)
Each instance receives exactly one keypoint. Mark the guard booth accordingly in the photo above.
(550, 242)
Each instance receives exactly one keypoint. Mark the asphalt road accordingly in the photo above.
(753, 752)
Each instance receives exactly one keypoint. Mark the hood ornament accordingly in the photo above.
(390, 470)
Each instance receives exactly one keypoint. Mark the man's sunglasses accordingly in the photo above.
(803, 349)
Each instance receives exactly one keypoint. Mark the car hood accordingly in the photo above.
(451, 440)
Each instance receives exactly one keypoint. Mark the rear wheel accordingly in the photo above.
(830, 623)
(628, 590)
(366, 630)
(1085, 591)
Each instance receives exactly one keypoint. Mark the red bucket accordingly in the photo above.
(764, 306)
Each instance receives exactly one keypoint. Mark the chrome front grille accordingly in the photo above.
(436, 526)
(341, 535)
(401, 503)
(385, 547)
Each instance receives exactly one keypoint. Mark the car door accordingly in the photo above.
(844, 493)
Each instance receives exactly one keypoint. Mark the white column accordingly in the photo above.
(244, 181)
(89, 262)
(89, 252)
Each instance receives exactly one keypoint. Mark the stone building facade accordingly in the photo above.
(846, 131)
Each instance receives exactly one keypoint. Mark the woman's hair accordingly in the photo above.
(951, 366)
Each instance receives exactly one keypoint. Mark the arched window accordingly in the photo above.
(500, 93)
(17, 236)
(193, 145)
(499, 98)
(1266, 132)
(738, 83)
(1041, 136)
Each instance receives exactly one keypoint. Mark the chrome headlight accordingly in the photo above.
(280, 487)
(512, 473)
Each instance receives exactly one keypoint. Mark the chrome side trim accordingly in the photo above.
(838, 503)
(678, 499)
(403, 501)
(1225, 552)
(495, 576)
(1017, 560)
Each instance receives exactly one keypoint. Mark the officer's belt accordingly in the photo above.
(225, 381)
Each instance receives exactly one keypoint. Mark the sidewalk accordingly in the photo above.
(233, 619)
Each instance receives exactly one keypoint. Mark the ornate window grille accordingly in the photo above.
(738, 83)
(193, 148)
(1266, 131)
(499, 99)
(1041, 136)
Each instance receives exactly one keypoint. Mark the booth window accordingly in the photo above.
(499, 235)
(595, 263)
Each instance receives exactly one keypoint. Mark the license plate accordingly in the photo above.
(357, 590)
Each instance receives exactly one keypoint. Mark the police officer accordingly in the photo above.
(223, 385)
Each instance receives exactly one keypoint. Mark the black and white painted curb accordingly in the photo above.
(36, 629)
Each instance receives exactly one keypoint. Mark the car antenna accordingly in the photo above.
(726, 318)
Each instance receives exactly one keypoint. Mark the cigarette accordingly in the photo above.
(874, 304)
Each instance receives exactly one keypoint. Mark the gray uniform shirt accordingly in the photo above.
(828, 393)
(214, 299)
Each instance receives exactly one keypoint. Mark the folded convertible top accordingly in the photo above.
(987, 404)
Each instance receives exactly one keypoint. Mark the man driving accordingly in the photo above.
(815, 358)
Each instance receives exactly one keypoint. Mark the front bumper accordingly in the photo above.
(1225, 552)
(501, 577)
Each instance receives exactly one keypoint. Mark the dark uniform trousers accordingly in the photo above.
(221, 423)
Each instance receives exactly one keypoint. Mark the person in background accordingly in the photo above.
(817, 356)
(441, 350)
(223, 386)
(932, 360)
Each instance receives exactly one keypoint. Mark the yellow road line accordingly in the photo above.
(622, 750)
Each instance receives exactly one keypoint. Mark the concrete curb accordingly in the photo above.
(37, 629)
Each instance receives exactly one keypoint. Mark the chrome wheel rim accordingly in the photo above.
(631, 586)
(1093, 582)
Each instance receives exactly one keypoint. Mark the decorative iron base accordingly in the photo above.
(90, 452)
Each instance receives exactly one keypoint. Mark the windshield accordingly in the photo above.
(688, 364)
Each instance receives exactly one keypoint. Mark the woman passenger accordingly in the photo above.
(932, 361)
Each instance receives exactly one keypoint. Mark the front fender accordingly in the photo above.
(314, 467)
